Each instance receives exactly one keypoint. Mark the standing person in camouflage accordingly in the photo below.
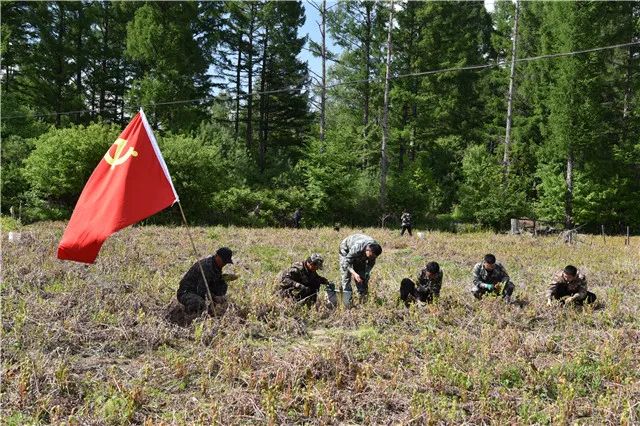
(358, 253)
(405, 219)
(569, 287)
(192, 293)
(301, 282)
(428, 288)
(297, 217)
(491, 277)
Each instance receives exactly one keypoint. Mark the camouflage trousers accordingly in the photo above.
(194, 304)
(362, 287)
(500, 289)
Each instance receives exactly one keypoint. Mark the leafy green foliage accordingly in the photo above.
(63, 160)
(248, 207)
(162, 39)
(197, 171)
(483, 197)
(574, 148)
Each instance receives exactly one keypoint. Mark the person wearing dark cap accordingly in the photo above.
(358, 254)
(192, 293)
(428, 288)
(568, 286)
(301, 282)
(491, 277)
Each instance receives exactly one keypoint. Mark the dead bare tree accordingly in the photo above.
(384, 161)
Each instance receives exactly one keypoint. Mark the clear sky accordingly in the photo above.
(311, 29)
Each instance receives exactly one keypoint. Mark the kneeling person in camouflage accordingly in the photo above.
(569, 287)
(301, 281)
(358, 253)
(192, 293)
(491, 277)
(428, 288)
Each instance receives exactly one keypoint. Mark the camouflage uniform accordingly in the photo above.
(576, 289)
(406, 223)
(427, 288)
(297, 217)
(482, 278)
(352, 255)
(301, 284)
(192, 292)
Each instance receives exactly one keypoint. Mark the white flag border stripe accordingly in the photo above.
(156, 148)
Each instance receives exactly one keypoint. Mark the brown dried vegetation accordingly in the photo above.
(89, 344)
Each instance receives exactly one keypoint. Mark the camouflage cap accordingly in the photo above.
(316, 259)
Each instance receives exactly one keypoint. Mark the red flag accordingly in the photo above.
(131, 183)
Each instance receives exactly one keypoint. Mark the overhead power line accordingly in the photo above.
(343, 83)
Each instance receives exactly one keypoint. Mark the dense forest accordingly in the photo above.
(413, 112)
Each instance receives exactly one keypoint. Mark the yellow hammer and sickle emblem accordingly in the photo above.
(117, 159)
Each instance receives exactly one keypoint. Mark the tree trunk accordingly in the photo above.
(507, 139)
(414, 89)
(414, 117)
(262, 144)
(568, 201)
(118, 114)
(323, 90)
(628, 90)
(236, 124)
(60, 69)
(403, 148)
(367, 67)
(103, 62)
(250, 80)
(385, 119)
(79, 64)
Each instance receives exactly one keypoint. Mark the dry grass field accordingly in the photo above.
(89, 344)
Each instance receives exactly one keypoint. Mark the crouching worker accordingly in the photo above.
(192, 293)
(358, 253)
(569, 287)
(301, 282)
(428, 288)
(491, 277)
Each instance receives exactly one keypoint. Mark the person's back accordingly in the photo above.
(355, 244)
(358, 253)
(193, 292)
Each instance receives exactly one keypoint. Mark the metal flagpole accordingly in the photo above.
(209, 297)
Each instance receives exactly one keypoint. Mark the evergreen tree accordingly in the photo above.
(450, 111)
(583, 136)
(47, 77)
(108, 70)
(164, 40)
(284, 116)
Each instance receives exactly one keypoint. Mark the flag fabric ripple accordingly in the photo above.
(130, 183)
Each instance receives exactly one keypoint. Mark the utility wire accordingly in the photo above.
(344, 83)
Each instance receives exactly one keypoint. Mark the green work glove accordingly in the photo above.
(488, 287)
